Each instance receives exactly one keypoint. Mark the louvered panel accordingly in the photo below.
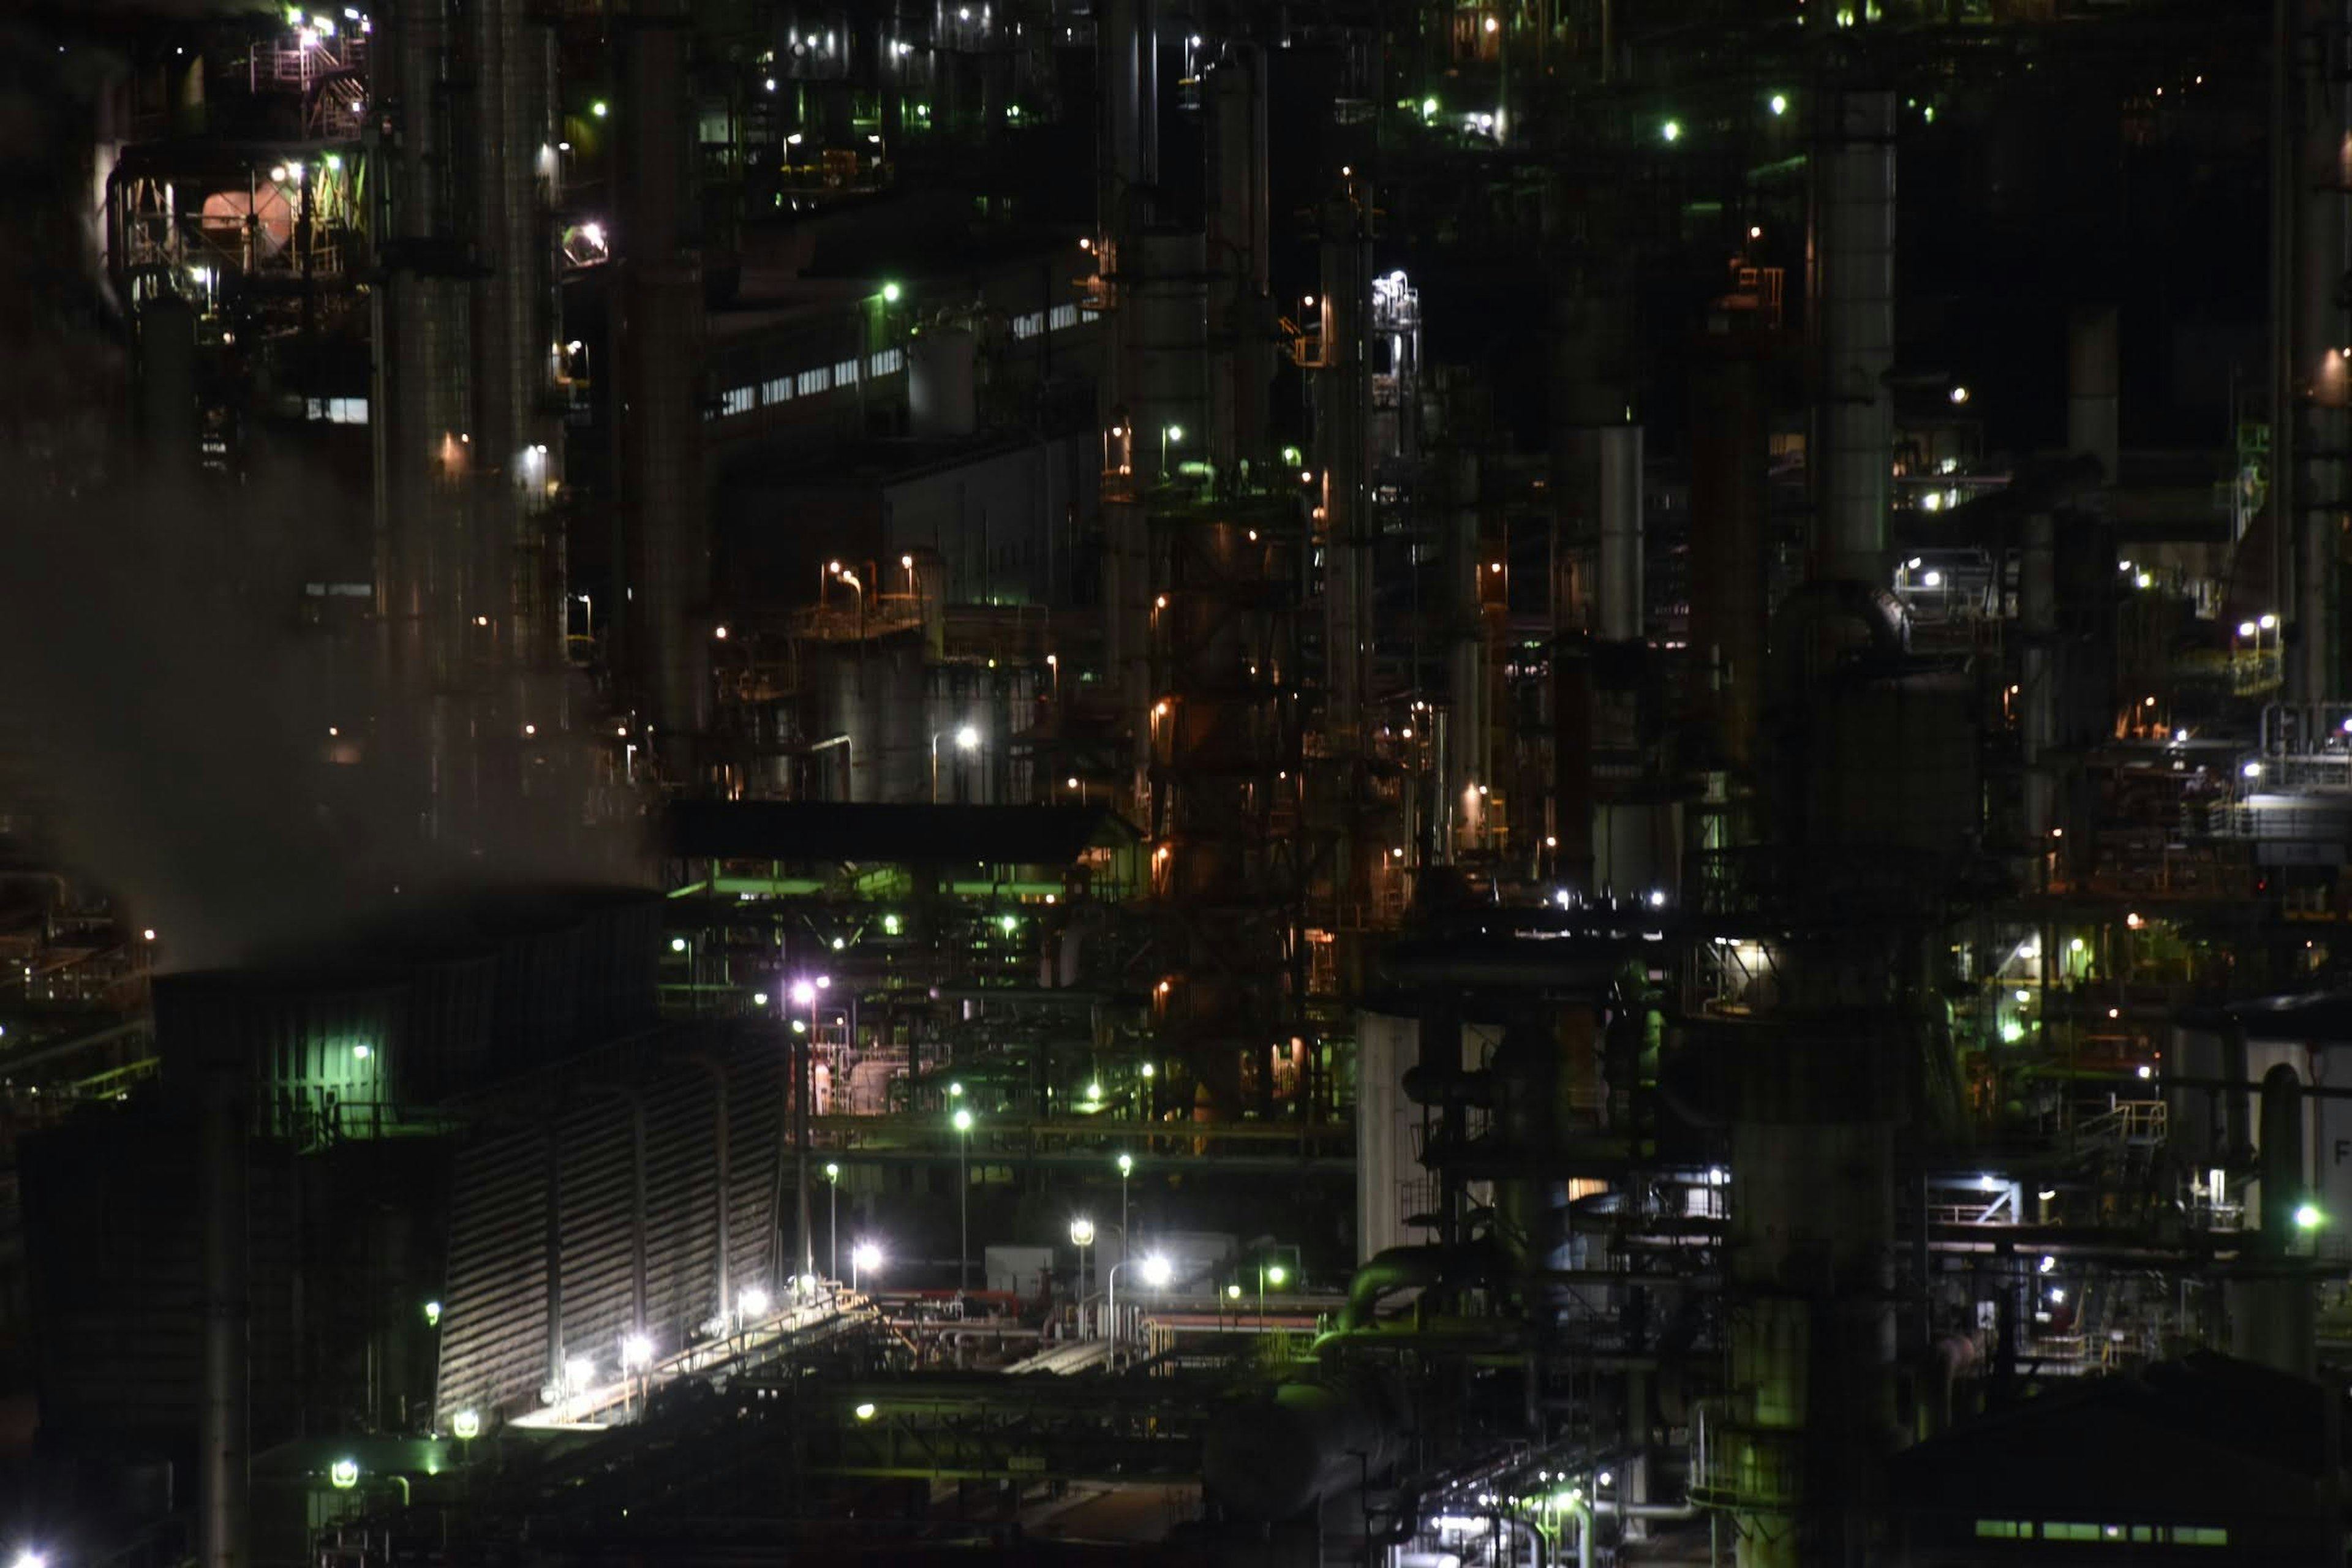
(493, 1344)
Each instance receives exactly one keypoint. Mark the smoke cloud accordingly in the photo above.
(171, 684)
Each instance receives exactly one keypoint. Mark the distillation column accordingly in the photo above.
(1129, 151)
(426, 592)
(1852, 290)
(2317, 226)
(1241, 328)
(1814, 1094)
(664, 514)
(517, 436)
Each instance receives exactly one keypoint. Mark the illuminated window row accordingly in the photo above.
(2145, 1534)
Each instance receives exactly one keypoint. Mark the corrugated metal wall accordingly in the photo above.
(496, 1350)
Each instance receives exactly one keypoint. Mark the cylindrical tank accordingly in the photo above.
(942, 380)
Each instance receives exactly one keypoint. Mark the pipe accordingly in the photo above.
(1398, 1268)
(2038, 624)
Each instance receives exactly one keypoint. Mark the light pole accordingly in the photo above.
(1082, 1236)
(1126, 1169)
(967, 739)
(1157, 1274)
(864, 1258)
(1170, 435)
(964, 1195)
(832, 1218)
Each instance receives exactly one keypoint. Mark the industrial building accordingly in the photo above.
(1441, 784)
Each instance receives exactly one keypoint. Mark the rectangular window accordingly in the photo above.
(738, 400)
(777, 391)
(889, 362)
(1089, 315)
(337, 410)
(1065, 316)
(846, 373)
(811, 382)
(2000, 1530)
(2198, 1535)
(1030, 325)
(2069, 1531)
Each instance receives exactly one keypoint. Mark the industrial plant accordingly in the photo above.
(1350, 784)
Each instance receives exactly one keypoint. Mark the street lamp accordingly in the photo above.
(832, 1218)
(967, 739)
(1170, 435)
(1082, 1236)
(1126, 1169)
(864, 1258)
(1272, 1274)
(963, 1193)
(1157, 1274)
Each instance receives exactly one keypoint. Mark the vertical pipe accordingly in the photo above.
(1465, 746)
(225, 1457)
(1343, 412)
(1853, 265)
(2037, 597)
